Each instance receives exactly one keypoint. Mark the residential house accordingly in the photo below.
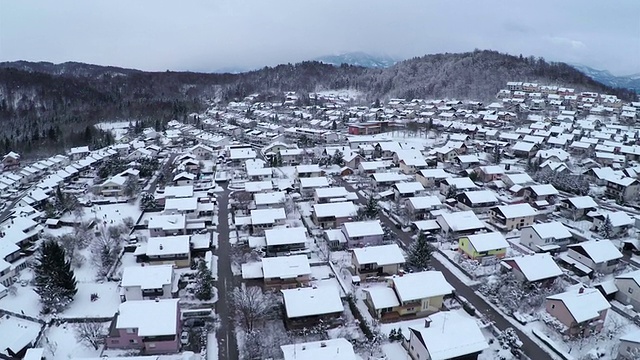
(309, 185)
(173, 250)
(582, 311)
(78, 153)
(489, 173)
(593, 256)
(166, 225)
(525, 149)
(333, 215)
(519, 179)
(575, 208)
(114, 186)
(546, 237)
(371, 167)
(510, 217)
(334, 349)
(286, 272)
(10, 161)
(377, 260)
(461, 184)
(467, 161)
(446, 335)
(628, 286)
(405, 190)
(485, 247)
(333, 194)
(151, 326)
(285, 241)
(420, 207)
(383, 181)
(148, 283)
(18, 336)
(262, 219)
(307, 171)
(362, 233)
(621, 222)
(431, 177)
(540, 195)
(259, 173)
(477, 201)
(268, 200)
(534, 269)
(308, 306)
(459, 223)
(623, 189)
(183, 179)
(184, 206)
(202, 152)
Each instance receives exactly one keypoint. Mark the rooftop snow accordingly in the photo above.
(267, 216)
(314, 182)
(363, 228)
(481, 196)
(536, 267)
(309, 301)
(285, 236)
(517, 210)
(167, 222)
(552, 230)
(382, 297)
(421, 285)
(338, 210)
(168, 245)
(150, 317)
(488, 241)
(331, 349)
(285, 267)
(409, 187)
(462, 220)
(582, 202)
(599, 251)
(147, 277)
(583, 306)
(425, 202)
(271, 198)
(178, 191)
(380, 255)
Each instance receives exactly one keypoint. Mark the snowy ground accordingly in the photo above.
(118, 129)
(111, 214)
(60, 343)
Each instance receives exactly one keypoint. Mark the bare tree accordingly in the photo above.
(106, 248)
(90, 334)
(251, 305)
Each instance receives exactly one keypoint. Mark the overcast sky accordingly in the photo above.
(209, 35)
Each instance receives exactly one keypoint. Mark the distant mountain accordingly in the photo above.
(627, 82)
(44, 104)
(358, 59)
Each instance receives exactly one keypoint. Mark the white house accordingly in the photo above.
(147, 282)
(593, 256)
(546, 237)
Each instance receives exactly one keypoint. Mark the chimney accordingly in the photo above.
(581, 290)
(160, 246)
(427, 323)
(157, 299)
(323, 344)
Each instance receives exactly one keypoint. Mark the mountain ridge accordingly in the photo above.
(604, 76)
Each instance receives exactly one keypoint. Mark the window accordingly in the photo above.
(133, 341)
(553, 306)
(630, 291)
(131, 331)
(412, 347)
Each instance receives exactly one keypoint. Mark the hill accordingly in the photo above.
(358, 59)
(43, 104)
(631, 82)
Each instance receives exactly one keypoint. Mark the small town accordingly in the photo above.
(318, 226)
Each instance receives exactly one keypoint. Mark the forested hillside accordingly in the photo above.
(44, 105)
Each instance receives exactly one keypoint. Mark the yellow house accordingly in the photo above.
(481, 246)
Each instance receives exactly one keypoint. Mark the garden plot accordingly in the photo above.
(60, 343)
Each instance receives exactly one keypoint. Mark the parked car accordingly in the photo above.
(184, 338)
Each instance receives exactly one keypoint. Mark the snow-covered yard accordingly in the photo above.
(60, 343)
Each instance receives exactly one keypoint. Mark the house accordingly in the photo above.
(332, 194)
(330, 349)
(407, 190)
(184, 178)
(411, 165)
(148, 283)
(477, 201)
(546, 237)
(362, 233)
(489, 173)
(309, 185)
(525, 149)
(268, 200)
(620, 221)
(284, 241)
(431, 177)
(172, 192)
(371, 167)
(202, 152)
(383, 181)
(459, 223)
(78, 153)
(418, 294)
(174, 250)
(534, 268)
(520, 179)
(576, 208)
(540, 195)
(460, 184)
(184, 206)
(623, 189)
(165, 225)
(259, 173)
(333, 215)
(467, 161)
(305, 307)
(10, 161)
(510, 217)
(286, 272)
(262, 219)
(258, 186)
(377, 260)
(628, 285)
(151, 326)
(593, 256)
(629, 347)
(419, 207)
(582, 311)
(307, 171)
(446, 335)
(18, 335)
(484, 247)
(114, 186)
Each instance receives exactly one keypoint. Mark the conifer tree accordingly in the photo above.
(54, 279)
(420, 252)
(204, 282)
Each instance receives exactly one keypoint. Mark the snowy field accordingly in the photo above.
(60, 343)
(118, 129)
(112, 214)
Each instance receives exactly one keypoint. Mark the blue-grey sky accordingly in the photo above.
(203, 35)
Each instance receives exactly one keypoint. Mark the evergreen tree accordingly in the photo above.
(337, 158)
(334, 125)
(54, 279)
(606, 230)
(497, 155)
(452, 192)
(204, 282)
(420, 252)
(371, 209)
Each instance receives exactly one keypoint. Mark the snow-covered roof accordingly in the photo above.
(181, 204)
(523, 146)
(518, 179)
(178, 191)
(461, 183)
(599, 251)
(409, 187)
(552, 230)
(312, 301)
(372, 165)
(17, 333)
(481, 196)
(583, 306)
(634, 275)
(267, 216)
(462, 220)
(147, 277)
(285, 267)
(425, 202)
(426, 225)
(488, 241)
(516, 210)
(331, 192)
(536, 267)
(168, 245)
(451, 335)
(389, 177)
(468, 159)
(582, 202)
(434, 173)
(544, 190)
(331, 349)
(150, 317)
(286, 236)
(380, 255)
(276, 197)
(492, 169)
(420, 285)
(258, 186)
(314, 182)
(382, 297)
(338, 209)
(167, 222)
(362, 228)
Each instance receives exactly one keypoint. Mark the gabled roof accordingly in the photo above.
(421, 285)
(488, 241)
(582, 306)
(362, 228)
(552, 230)
(536, 267)
(302, 302)
(380, 255)
(599, 251)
